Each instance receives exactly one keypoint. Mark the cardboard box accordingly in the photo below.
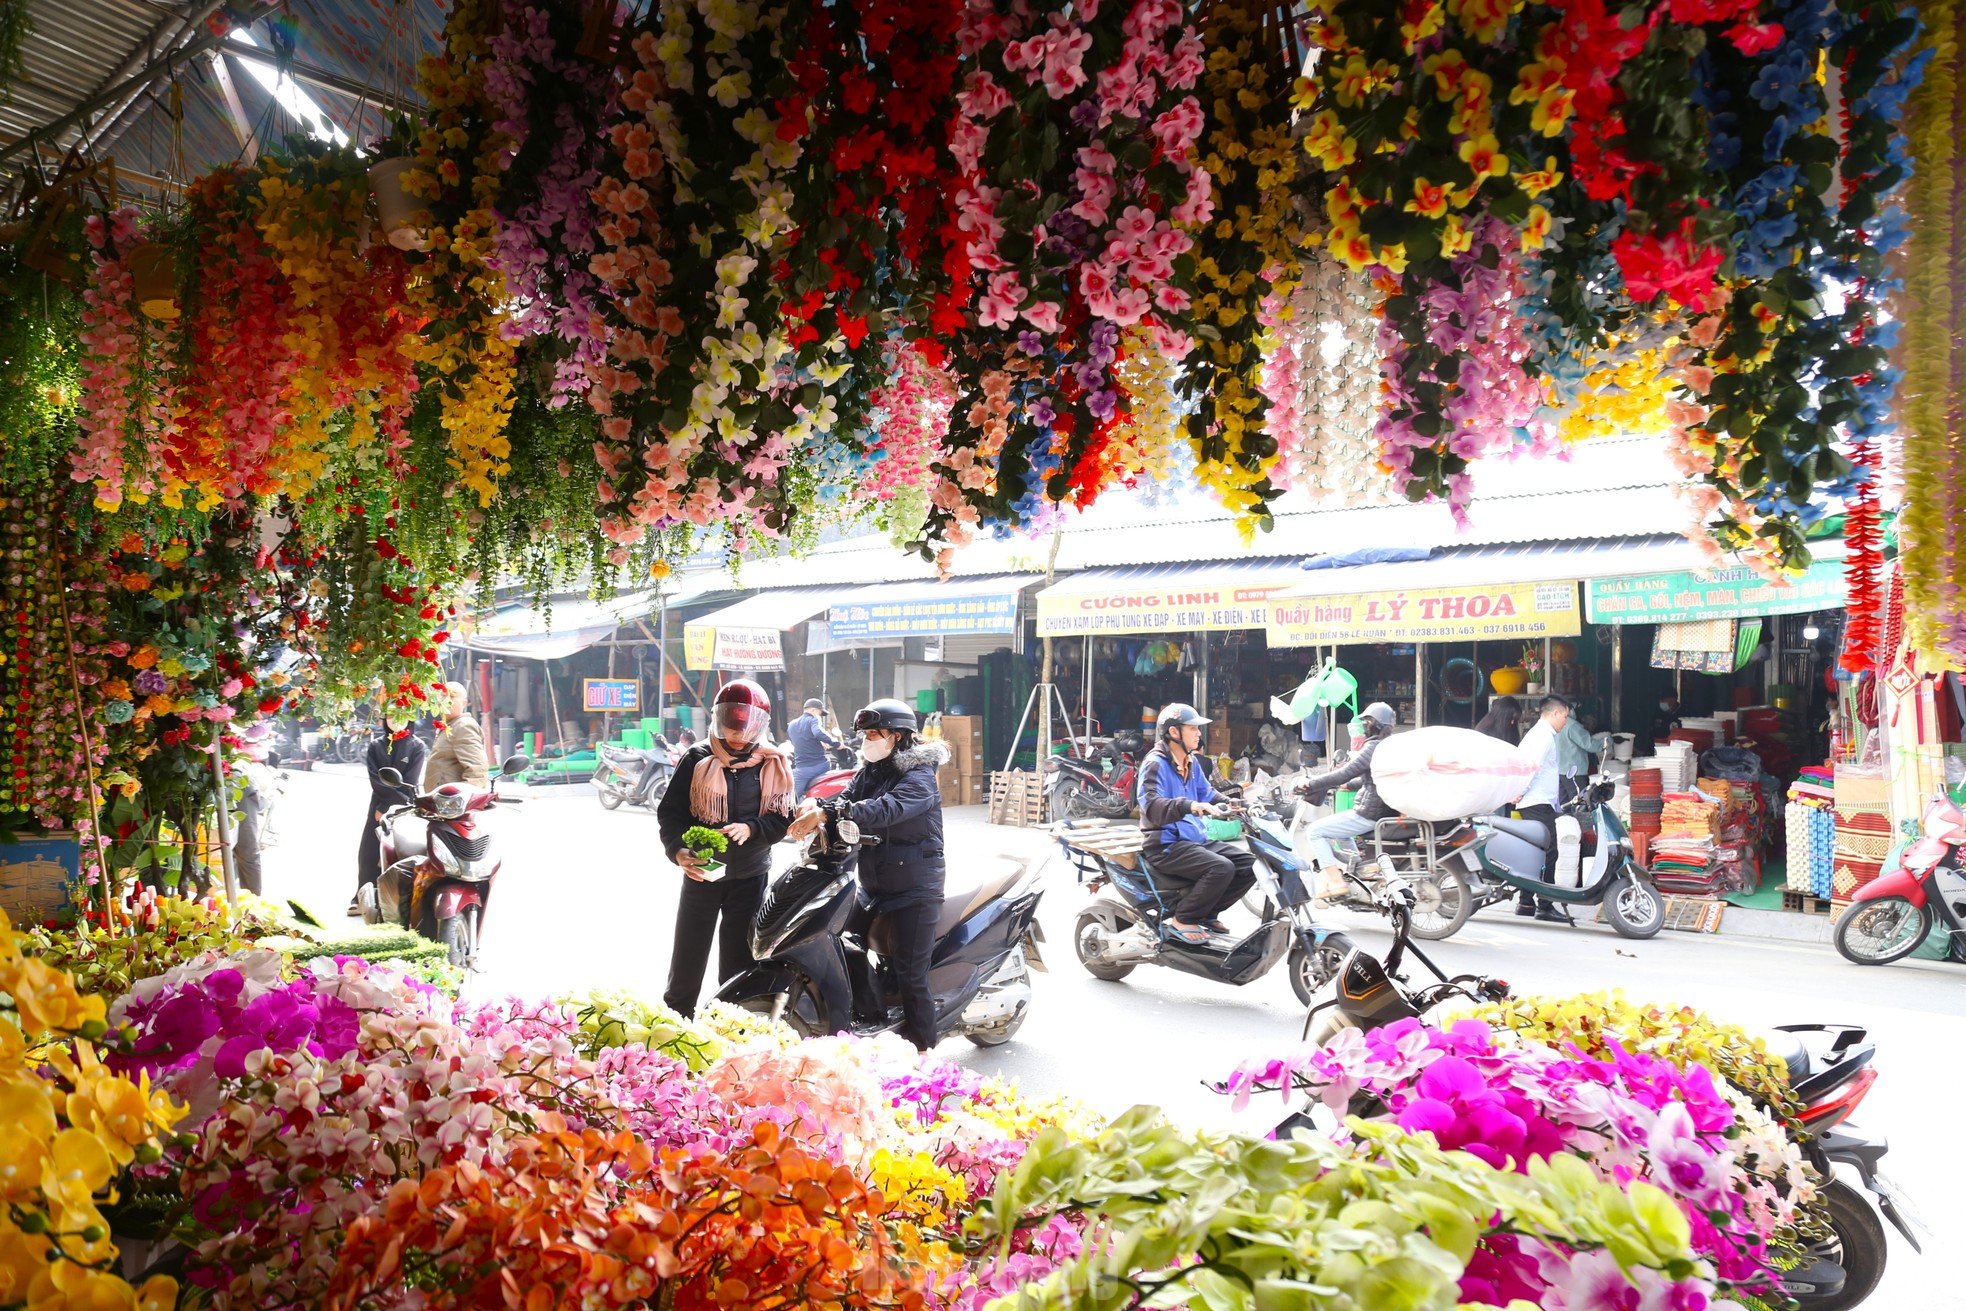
(974, 790)
(963, 733)
(949, 781)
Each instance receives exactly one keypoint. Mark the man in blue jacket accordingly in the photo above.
(1176, 796)
(810, 741)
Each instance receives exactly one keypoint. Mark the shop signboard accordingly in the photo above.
(706, 646)
(1427, 614)
(617, 695)
(1182, 606)
(925, 616)
(1682, 596)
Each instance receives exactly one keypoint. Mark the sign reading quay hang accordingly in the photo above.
(1678, 596)
(1190, 608)
(1428, 614)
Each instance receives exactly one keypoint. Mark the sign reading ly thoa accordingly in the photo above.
(1431, 614)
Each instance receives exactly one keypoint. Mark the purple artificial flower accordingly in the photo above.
(1030, 342)
(149, 682)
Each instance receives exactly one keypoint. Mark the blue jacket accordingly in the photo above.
(809, 741)
(1167, 800)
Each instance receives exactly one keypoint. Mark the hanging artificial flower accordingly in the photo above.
(455, 290)
(1321, 377)
(551, 92)
(125, 418)
(911, 415)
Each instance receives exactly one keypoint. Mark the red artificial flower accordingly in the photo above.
(1753, 39)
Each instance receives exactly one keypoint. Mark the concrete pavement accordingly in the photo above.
(587, 901)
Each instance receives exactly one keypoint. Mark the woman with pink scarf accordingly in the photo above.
(736, 783)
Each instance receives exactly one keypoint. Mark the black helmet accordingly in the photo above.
(1178, 714)
(886, 713)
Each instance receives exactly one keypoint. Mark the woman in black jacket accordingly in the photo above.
(894, 797)
(1503, 720)
(739, 785)
(403, 752)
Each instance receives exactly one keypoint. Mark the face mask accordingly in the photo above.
(876, 749)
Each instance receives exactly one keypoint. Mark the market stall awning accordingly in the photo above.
(748, 634)
(1164, 598)
(534, 633)
(930, 609)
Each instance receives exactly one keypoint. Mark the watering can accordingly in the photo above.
(1327, 689)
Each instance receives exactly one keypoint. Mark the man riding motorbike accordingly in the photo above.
(1369, 729)
(894, 797)
(1177, 793)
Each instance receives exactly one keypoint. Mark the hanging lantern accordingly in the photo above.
(396, 210)
(153, 274)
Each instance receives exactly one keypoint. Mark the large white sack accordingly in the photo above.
(1448, 773)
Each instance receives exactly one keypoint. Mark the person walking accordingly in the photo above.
(810, 742)
(739, 784)
(1177, 794)
(1371, 727)
(405, 753)
(459, 756)
(1576, 749)
(894, 797)
(1539, 800)
(1503, 720)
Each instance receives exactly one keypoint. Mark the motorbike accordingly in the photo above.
(1504, 859)
(1079, 787)
(633, 775)
(1829, 1068)
(845, 759)
(1120, 928)
(1410, 854)
(437, 882)
(1889, 917)
(820, 969)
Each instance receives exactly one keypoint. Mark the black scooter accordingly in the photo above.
(821, 972)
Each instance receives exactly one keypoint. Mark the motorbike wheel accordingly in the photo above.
(1879, 932)
(610, 796)
(1057, 806)
(1858, 1246)
(657, 790)
(997, 1037)
(1113, 920)
(349, 750)
(461, 939)
(1311, 970)
(1635, 908)
(1441, 904)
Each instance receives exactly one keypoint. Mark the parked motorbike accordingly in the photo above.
(822, 972)
(1891, 915)
(845, 759)
(437, 881)
(1505, 860)
(1080, 787)
(1829, 1068)
(634, 776)
(1120, 928)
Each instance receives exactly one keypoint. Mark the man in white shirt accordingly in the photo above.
(1538, 800)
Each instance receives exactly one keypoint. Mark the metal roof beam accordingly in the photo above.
(248, 142)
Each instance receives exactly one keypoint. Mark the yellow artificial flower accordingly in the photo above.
(1536, 229)
(1535, 182)
(1429, 200)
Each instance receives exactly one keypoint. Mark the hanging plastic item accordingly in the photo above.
(1330, 688)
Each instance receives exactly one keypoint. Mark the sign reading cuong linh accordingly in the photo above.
(1681, 596)
(1427, 614)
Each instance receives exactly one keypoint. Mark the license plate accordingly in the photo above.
(1901, 1206)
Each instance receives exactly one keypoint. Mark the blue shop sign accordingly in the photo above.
(926, 616)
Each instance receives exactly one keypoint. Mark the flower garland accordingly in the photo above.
(1930, 524)
(125, 419)
(1253, 252)
(234, 393)
(552, 96)
(911, 418)
(1321, 377)
(458, 154)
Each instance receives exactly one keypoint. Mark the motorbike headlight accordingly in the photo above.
(451, 863)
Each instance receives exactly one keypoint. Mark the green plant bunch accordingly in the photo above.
(620, 1019)
(707, 843)
(1223, 1221)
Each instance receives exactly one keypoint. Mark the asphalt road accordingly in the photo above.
(586, 900)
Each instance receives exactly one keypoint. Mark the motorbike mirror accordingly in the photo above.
(849, 832)
(515, 765)
(388, 774)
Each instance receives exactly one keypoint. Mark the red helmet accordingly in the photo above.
(741, 712)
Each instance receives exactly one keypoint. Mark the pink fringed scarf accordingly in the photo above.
(709, 800)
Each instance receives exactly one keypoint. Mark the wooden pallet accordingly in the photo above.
(1806, 903)
(1017, 798)
(1119, 841)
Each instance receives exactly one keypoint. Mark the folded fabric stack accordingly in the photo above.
(1647, 802)
(1739, 833)
(1684, 856)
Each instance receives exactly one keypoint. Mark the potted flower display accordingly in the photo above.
(708, 846)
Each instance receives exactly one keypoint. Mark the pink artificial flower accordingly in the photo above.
(1042, 315)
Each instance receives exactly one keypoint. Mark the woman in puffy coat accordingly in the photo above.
(894, 797)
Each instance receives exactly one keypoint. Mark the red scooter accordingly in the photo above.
(437, 880)
(1890, 916)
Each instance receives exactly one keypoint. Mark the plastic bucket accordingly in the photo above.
(1344, 800)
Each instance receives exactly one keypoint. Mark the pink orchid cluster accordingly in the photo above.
(1490, 404)
(1509, 1101)
(545, 245)
(1321, 379)
(126, 406)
